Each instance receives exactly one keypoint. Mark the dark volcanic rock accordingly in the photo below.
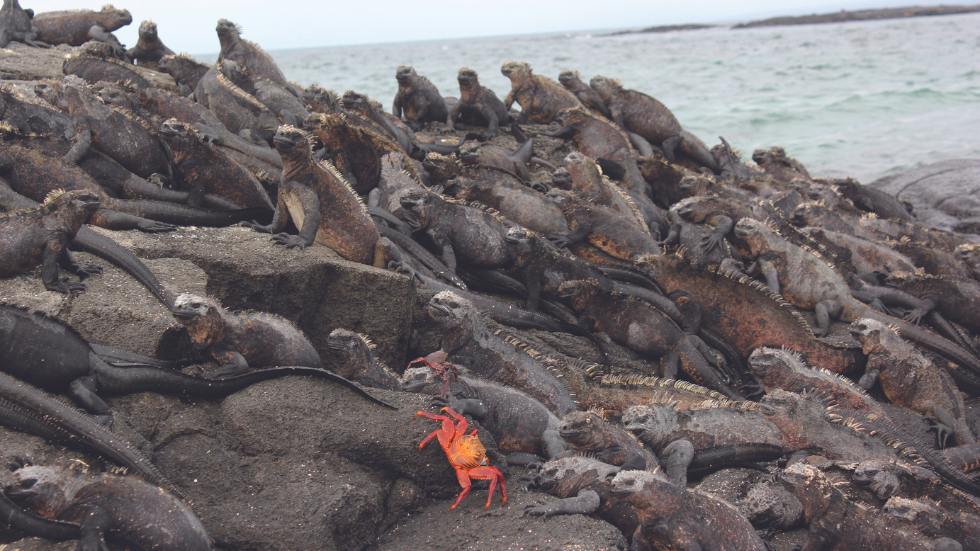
(944, 195)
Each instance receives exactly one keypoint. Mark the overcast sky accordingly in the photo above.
(188, 25)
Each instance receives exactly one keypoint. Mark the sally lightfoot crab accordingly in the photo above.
(466, 454)
(441, 369)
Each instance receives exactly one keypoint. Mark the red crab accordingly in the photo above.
(465, 453)
(441, 369)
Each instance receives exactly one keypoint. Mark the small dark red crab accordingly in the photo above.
(466, 454)
(441, 369)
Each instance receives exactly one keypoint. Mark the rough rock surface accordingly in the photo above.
(944, 195)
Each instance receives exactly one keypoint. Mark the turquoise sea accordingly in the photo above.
(857, 99)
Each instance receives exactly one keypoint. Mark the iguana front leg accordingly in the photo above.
(68, 262)
(279, 219)
(577, 234)
(233, 363)
(585, 503)
(824, 311)
(79, 149)
(94, 524)
(50, 259)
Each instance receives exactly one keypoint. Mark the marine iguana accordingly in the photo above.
(238, 110)
(417, 100)
(807, 282)
(249, 55)
(540, 97)
(40, 237)
(242, 340)
(352, 359)
(206, 169)
(465, 234)
(53, 356)
(106, 505)
(367, 109)
(544, 268)
(518, 423)
(719, 437)
(955, 299)
(583, 486)
(934, 522)
(909, 379)
(593, 436)
(32, 116)
(95, 63)
(477, 105)
(149, 49)
(320, 203)
(160, 105)
(837, 524)
(747, 314)
(75, 27)
(353, 150)
(477, 154)
(777, 164)
(785, 369)
(604, 228)
(112, 132)
(284, 103)
(17, 25)
(598, 138)
(873, 200)
(583, 176)
(673, 517)
(637, 112)
(865, 256)
(470, 343)
(572, 81)
(642, 328)
(516, 202)
(33, 167)
(185, 71)
(26, 408)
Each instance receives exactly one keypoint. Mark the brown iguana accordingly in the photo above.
(540, 97)
(40, 237)
(477, 105)
(16, 25)
(75, 27)
(149, 49)
(418, 99)
(320, 203)
(909, 379)
(249, 55)
(809, 283)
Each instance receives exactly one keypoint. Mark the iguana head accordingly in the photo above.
(652, 424)
(569, 79)
(350, 351)
(202, 317)
(321, 100)
(469, 153)
(48, 491)
(229, 34)
(605, 87)
(77, 206)
(113, 18)
(582, 168)
(292, 142)
(148, 31)
(440, 167)
(629, 485)
(406, 75)
(925, 515)
(582, 429)
(516, 71)
(76, 93)
(875, 336)
(176, 134)
(237, 75)
(468, 79)
(579, 293)
(354, 100)
(768, 363)
(522, 243)
(753, 237)
(456, 315)
(420, 202)
(810, 486)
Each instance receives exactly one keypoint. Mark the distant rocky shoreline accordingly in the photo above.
(842, 16)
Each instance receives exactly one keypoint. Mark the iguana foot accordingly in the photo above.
(65, 286)
(541, 509)
(290, 241)
(256, 226)
(84, 272)
(559, 240)
(153, 226)
(943, 430)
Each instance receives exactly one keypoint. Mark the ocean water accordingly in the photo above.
(860, 99)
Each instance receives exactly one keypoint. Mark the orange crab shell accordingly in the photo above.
(466, 454)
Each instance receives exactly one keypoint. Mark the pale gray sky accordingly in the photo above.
(188, 25)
